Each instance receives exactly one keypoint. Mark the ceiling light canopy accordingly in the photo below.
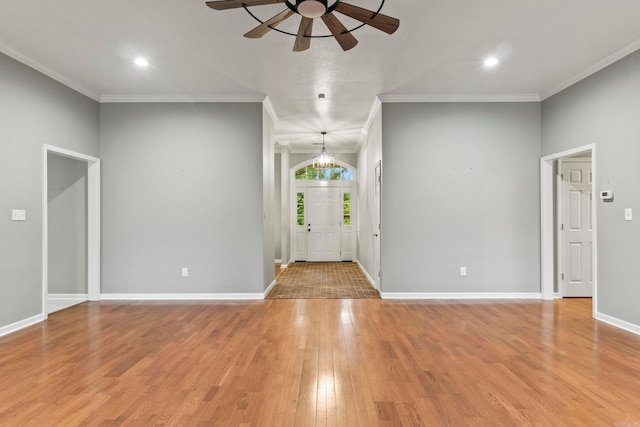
(311, 8)
(324, 160)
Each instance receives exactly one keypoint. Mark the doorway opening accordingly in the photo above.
(70, 229)
(569, 225)
(323, 213)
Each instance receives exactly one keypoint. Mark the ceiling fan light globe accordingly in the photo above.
(312, 8)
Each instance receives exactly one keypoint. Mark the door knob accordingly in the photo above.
(375, 235)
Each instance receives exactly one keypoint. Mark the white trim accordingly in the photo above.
(366, 273)
(622, 324)
(603, 63)
(375, 107)
(547, 206)
(266, 292)
(284, 265)
(527, 97)
(74, 297)
(269, 107)
(278, 261)
(547, 250)
(93, 222)
(5, 330)
(461, 295)
(30, 62)
(180, 297)
(240, 98)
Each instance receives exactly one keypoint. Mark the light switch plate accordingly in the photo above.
(628, 214)
(18, 215)
(463, 271)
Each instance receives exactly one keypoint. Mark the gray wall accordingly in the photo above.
(34, 110)
(182, 186)
(67, 208)
(605, 109)
(461, 188)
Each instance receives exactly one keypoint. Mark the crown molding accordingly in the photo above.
(531, 97)
(269, 107)
(375, 107)
(30, 62)
(603, 63)
(109, 99)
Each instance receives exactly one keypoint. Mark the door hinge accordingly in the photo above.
(561, 227)
(562, 276)
(561, 176)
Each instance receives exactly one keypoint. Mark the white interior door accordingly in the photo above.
(376, 226)
(323, 224)
(576, 228)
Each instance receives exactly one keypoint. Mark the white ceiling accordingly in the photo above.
(199, 54)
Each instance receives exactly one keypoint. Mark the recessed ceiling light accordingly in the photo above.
(491, 62)
(141, 62)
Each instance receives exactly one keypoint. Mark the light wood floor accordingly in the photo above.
(321, 363)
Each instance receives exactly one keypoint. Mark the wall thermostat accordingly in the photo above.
(606, 196)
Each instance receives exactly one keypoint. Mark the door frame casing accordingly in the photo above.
(93, 221)
(297, 186)
(377, 228)
(547, 227)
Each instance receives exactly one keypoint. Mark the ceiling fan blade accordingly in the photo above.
(377, 20)
(234, 4)
(344, 38)
(303, 39)
(264, 28)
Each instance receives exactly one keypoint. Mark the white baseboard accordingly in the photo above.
(75, 297)
(622, 324)
(181, 297)
(266, 292)
(21, 324)
(283, 266)
(461, 295)
(366, 273)
(278, 261)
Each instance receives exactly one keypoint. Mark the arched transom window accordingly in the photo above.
(337, 173)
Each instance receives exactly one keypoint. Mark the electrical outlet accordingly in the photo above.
(18, 215)
(463, 271)
(185, 272)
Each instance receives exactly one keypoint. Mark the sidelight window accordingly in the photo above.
(346, 209)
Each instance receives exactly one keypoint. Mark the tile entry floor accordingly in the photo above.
(323, 280)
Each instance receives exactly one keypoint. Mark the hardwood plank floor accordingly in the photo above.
(321, 363)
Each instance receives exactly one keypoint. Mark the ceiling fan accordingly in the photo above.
(309, 10)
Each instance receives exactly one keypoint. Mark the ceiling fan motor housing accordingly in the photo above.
(311, 8)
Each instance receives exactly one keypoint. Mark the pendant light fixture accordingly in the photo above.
(324, 160)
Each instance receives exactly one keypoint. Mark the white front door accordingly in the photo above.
(576, 228)
(323, 224)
